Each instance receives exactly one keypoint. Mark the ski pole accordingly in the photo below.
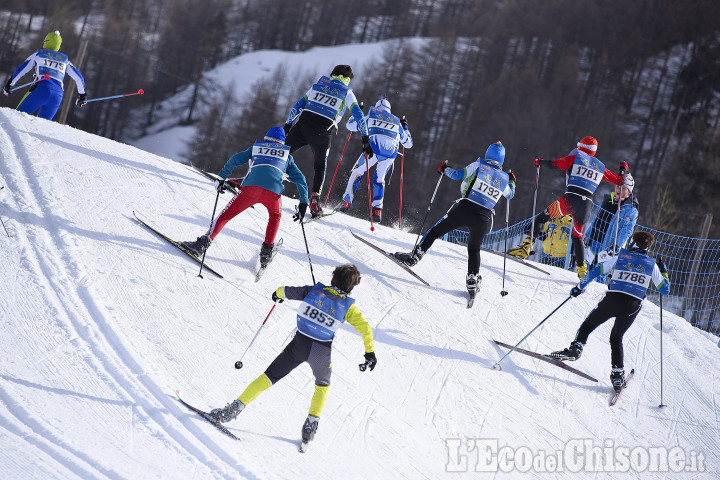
(307, 249)
(239, 363)
(504, 292)
(362, 106)
(367, 169)
(432, 199)
(139, 92)
(661, 354)
(532, 219)
(4, 227)
(44, 77)
(212, 220)
(497, 364)
(402, 168)
(617, 216)
(337, 168)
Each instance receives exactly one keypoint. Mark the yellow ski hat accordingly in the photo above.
(53, 40)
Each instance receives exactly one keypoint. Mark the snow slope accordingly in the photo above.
(102, 321)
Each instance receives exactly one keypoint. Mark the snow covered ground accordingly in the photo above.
(102, 321)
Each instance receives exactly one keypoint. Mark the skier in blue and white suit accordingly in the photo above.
(483, 183)
(50, 68)
(387, 132)
(632, 271)
(316, 116)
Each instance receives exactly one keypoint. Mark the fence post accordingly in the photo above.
(68, 99)
(688, 306)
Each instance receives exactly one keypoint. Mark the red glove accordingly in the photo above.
(442, 167)
(624, 167)
(537, 161)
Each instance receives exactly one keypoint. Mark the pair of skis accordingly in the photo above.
(179, 246)
(303, 447)
(564, 366)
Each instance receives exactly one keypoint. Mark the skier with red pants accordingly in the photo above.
(269, 160)
(584, 173)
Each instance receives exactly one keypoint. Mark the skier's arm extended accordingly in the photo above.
(297, 177)
(293, 293)
(355, 318)
(356, 112)
(240, 158)
(298, 107)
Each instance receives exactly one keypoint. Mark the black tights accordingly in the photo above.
(468, 214)
(615, 304)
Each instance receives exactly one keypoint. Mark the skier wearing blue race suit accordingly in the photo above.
(602, 233)
(50, 68)
(483, 183)
(323, 310)
(387, 132)
(316, 116)
(631, 270)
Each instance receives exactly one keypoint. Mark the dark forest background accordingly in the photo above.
(643, 77)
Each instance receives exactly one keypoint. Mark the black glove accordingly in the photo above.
(661, 265)
(361, 105)
(367, 149)
(370, 360)
(302, 208)
(442, 167)
(511, 174)
(403, 122)
(6, 89)
(220, 185)
(287, 128)
(277, 299)
(80, 101)
(624, 167)
(575, 291)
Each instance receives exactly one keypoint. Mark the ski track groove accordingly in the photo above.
(78, 305)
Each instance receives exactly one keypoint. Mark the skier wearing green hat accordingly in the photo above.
(50, 67)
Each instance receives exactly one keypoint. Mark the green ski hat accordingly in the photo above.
(53, 40)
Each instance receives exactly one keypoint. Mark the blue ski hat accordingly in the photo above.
(496, 152)
(275, 134)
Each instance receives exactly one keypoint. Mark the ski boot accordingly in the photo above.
(571, 353)
(229, 412)
(344, 207)
(309, 428)
(315, 208)
(266, 254)
(522, 250)
(582, 270)
(617, 377)
(472, 281)
(377, 215)
(197, 247)
(410, 259)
